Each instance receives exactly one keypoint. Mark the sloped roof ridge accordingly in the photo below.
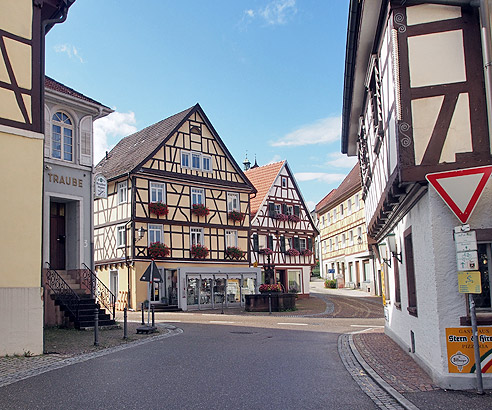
(54, 85)
(351, 181)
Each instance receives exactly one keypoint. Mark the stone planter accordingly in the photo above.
(280, 301)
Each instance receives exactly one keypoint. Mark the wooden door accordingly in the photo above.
(57, 235)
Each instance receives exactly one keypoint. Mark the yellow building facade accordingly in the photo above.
(22, 28)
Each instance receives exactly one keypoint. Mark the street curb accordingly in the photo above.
(379, 380)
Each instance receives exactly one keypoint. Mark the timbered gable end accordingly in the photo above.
(443, 120)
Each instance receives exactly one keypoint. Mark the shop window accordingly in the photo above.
(197, 196)
(233, 201)
(121, 236)
(410, 268)
(62, 137)
(294, 277)
(365, 270)
(122, 192)
(157, 192)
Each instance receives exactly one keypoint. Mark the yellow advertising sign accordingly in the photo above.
(469, 282)
(461, 357)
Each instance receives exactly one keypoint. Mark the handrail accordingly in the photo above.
(63, 291)
(104, 296)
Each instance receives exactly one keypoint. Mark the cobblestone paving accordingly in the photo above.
(14, 368)
(379, 396)
(391, 362)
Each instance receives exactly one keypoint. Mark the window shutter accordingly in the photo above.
(296, 243)
(270, 242)
(310, 244)
(296, 210)
(47, 132)
(284, 209)
(282, 244)
(256, 245)
(271, 209)
(86, 141)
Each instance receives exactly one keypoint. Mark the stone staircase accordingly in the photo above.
(78, 305)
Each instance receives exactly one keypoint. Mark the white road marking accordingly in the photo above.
(169, 321)
(292, 324)
(382, 327)
(220, 321)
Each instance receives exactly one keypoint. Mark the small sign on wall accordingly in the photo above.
(459, 343)
(469, 282)
(100, 186)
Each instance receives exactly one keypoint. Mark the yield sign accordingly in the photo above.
(151, 274)
(461, 189)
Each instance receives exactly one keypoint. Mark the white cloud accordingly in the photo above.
(319, 176)
(310, 205)
(339, 160)
(322, 131)
(70, 50)
(115, 125)
(275, 158)
(278, 11)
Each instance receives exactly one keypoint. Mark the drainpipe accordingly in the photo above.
(486, 48)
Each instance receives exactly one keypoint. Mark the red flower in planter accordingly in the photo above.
(158, 250)
(200, 210)
(294, 218)
(307, 252)
(158, 208)
(293, 252)
(265, 288)
(235, 216)
(199, 251)
(234, 252)
(265, 251)
(281, 217)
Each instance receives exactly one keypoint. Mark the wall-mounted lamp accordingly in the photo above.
(391, 240)
(382, 251)
(141, 232)
(359, 240)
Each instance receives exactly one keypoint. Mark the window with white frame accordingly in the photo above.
(334, 215)
(196, 236)
(231, 238)
(155, 233)
(233, 201)
(62, 137)
(341, 211)
(197, 196)
(359, 233)
(278, 209)
(323, 221)
(351, 238)
(185, 159)
(324, 246)
(349, 206)
(290, 210)
(302, 244)
(121, 236)
(336, 242)
(206, 163)
(157, 192)
(331, 245)
(122, 192)
(356, 202)
(284, 182)
(328, 218)
(343, 240)
(195, 160)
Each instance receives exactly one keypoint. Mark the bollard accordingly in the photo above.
(143, 314)
(125, 324)
(96, 326)
(270, 303)
(153, 319)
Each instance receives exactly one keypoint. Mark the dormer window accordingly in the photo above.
(62, 137)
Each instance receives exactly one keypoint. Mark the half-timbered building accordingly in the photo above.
(23, 25)
(345, 254)
(415, 103)
(175, 195)
(282, 230)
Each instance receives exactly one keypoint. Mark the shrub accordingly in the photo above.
(331, 283)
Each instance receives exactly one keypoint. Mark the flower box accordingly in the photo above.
(281, 217)
(267, 288)
(265, 251)
(158, 208)
(292, 252)
(235, 216)
(294, 218)
(158, 250)
(200, 210)
(234, 252)
(199, 251)
(307, 252)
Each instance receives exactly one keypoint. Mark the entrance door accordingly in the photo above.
(57, 235)
(357, 275)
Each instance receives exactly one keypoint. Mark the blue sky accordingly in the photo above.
(268, 74)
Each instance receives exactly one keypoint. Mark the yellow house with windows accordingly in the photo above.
(23, 24)
(175, 195)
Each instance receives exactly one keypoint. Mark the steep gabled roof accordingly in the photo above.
(262, 178)
(348, 186)
(135, 148)
(54, 85)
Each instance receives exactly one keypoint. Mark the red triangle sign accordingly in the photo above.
(461, 189)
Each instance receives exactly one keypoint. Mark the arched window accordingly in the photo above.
(62, 137)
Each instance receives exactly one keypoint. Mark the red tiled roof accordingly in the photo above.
(345, 189)
(61, 88)
(262, 178)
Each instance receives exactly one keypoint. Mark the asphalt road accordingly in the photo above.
(218, 362)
